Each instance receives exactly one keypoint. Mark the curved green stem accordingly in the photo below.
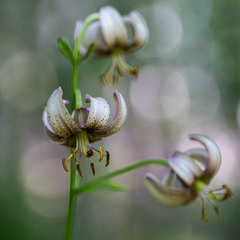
(91, 18)
(120, 171)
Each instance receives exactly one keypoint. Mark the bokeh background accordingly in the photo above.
(189, 82)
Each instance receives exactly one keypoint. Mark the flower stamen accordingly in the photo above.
(79, 170)
(203, 210)
(215, 208)
(92, 166)
(101, 154)
(64, 164)
(221, 193)
(107, 158)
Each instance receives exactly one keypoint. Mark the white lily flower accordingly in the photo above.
(187, 179)
(84, 126)
(112, 35)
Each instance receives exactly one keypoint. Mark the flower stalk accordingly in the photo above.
(96, 181)
(75, 101)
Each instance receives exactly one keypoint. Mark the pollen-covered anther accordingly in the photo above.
(203, 207)
(107, 158)
(64, 160)
(92, 167)
(65, 165)
(221, 194)
(79, 170)
(74, 155)
(101, 154)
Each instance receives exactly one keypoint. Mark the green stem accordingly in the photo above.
(120, 171)
(73, 103)
(71, 201)
(91, 18)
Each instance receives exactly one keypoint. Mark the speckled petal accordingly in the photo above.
(185, 167)
(120, 115)
(167, 195)
(140, 30)
(98, 115)
(58, 120)
(113, 27)
(49, 131)
(214, 155)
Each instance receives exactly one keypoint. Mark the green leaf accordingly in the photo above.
(65, 49)
(106, 185)
(83, 57)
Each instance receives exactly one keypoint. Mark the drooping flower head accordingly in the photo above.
(112, 35)
(84, 126)
(189, 176)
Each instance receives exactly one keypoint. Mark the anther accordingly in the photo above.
(74, 155)
(221, 193)
(93, 168)
(228, 192)
(101, 154)
(204, 211)
(107, 159)
(64, 164)
(79, 170)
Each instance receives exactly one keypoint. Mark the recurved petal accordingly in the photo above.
(49, 131)
(113, 27)
(185, 167)
(168, 177)
(119, 118)
(167, 195)
(93, 36)
(199, 154)
(140, 29)
(56, 117)
(98, 113)
(214, 155)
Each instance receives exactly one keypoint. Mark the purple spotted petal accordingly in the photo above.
(98, 113)
(57, 121)
(120, 115)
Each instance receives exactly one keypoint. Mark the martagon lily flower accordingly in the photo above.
(84, 126)
(189, 176)
(112, 35)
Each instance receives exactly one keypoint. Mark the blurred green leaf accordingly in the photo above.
(65, 49)
(107, 185)
(83, 57)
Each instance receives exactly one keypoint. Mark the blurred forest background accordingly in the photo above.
(189, 82)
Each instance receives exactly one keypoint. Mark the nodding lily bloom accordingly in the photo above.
(112, 35)
(84, 126)
(188, 177)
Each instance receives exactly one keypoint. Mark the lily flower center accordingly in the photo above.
(84, 147)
